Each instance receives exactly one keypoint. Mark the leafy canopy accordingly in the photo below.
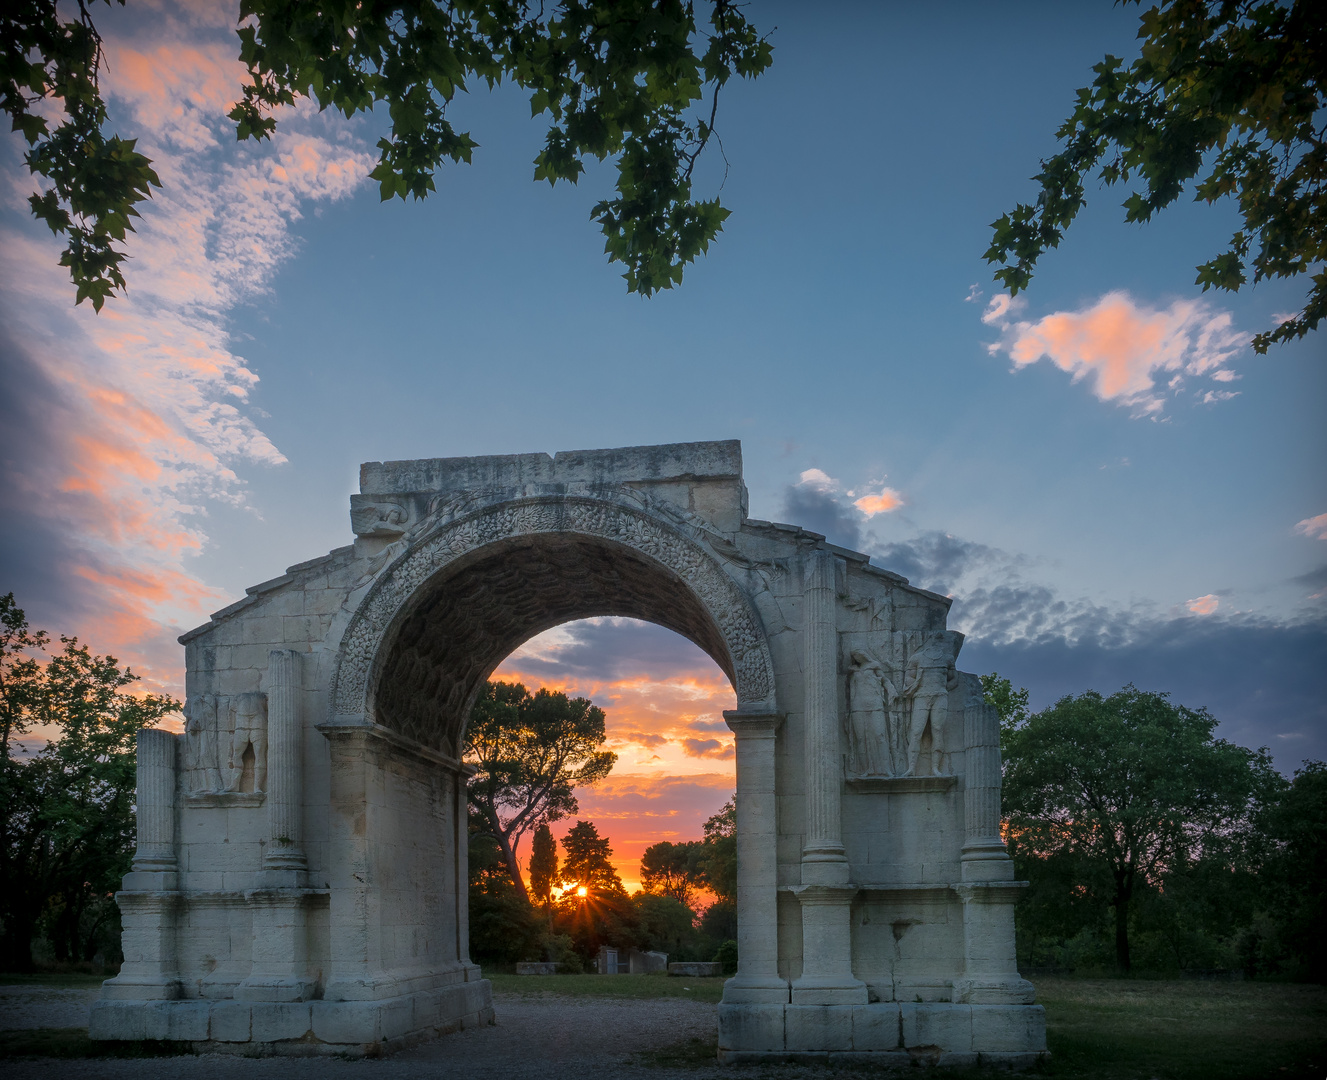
(1131, 785)
(95, 180)
(673, 869)
(531, 752)
(617, 78)
(1232, 87)
(633, 80)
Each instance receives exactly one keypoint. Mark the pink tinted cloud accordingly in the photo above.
(1204, 605)
(1122, 347)
(1313, 527)
(152, 421)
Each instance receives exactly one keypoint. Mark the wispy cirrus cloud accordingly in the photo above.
(1128, 352)
(136, 419)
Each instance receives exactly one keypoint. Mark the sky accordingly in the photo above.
(1111, 484)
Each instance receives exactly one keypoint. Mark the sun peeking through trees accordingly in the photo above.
(602, 822)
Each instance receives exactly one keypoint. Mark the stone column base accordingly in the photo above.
(305, 1028)
(885, 1033)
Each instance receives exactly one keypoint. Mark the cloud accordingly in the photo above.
(137, 419)
(814, 503)
(882, 502)
(657, 688)
(1313, 527)
(709, 748)
(1264, 680)
(1121, 346)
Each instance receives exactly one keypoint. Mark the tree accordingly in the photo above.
(1131, 785)
(586, 861)
(1235, 87)
(20, 672)
(67, 812)
(543, 863)
(666, 924)
(669, 869)
(604, 914)
(503, 926)
(633, 80)
(1294, 874)
(718, 858)
(531, 752)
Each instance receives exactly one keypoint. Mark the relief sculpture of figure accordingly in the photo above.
(200, 745)
(870, 694)
(930, 675)
(249, 712)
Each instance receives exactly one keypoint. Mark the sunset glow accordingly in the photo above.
(664, 700)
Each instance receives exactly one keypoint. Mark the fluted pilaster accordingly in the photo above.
(823, 858)
(156, 801)
(285, 763)
(984, 855)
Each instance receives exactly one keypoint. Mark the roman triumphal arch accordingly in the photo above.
(300, 886)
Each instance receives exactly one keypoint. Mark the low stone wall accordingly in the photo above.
(695, 969)
(536, 967)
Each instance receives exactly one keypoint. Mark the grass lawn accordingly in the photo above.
(1118, 1029)
(76, 980)
(610, 986)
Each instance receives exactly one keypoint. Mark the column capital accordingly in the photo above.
(754, 722)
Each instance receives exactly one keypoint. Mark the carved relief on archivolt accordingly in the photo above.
(898, 701)
(610, 519)
(225, 744)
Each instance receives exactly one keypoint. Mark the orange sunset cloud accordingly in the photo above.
(1121, 346)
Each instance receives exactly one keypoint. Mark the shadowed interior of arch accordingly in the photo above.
(479, 609)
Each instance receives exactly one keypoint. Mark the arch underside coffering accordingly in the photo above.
(422, 643)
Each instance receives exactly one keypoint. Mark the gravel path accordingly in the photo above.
(548, 1038)
(25, 1007)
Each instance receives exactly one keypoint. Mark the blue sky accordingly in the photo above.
(1090, 537)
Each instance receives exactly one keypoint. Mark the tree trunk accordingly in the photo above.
(513, 867)
(16, 946)
(1123, 892)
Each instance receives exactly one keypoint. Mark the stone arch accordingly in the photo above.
(471, 586)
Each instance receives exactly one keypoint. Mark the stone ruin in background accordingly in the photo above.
(300, 878)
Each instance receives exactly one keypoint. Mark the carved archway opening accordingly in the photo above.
(477, 610)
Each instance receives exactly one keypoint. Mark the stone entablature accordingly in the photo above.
(300, 884)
